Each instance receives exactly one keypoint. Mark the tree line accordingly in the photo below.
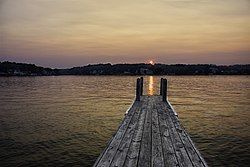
(23, 69)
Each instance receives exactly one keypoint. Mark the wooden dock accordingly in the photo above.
(150, 135)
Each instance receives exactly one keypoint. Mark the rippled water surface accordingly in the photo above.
(67, 120)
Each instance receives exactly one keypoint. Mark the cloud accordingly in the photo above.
(110, 29)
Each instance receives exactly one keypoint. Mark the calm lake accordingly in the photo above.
(67, 120)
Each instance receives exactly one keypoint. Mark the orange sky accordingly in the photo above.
(65, 33)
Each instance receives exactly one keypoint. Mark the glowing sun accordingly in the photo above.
(151, 62)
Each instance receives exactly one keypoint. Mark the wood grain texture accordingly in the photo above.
(145, 149)
(122, 150)
(150, 135)
(169, 153)
(110, 151)
(157, 149)
(133, 152)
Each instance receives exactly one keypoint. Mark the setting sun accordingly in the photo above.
(151, 62)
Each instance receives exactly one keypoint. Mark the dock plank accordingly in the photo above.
(182, 155)
(133, 152)
(150, 135)
(145, 149)
(122, 150)
(157, 152)
(169, 153)
(110, 151)
(193, 154)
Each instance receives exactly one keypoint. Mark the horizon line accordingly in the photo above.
(137, 63)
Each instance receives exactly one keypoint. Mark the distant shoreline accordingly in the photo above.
(23, 69)
(116, 75)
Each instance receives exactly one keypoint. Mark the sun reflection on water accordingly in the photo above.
(151, 85)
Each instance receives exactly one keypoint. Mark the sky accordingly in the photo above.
(66, 33)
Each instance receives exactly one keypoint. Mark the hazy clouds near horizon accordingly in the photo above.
(64, 33)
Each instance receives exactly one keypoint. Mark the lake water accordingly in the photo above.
(67, 120)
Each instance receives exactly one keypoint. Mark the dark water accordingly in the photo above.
(67, 120)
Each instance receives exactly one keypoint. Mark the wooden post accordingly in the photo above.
(161, 86)
(138, 89)
(141, 86)
(166, 85)
(164, 90)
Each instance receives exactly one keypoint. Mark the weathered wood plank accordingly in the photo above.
(157, 152)
(122, 150)
(150, 135)
(197, 151)
(145, 149)
(192, 152)
(134, 149)
(169, 153)
(111, 149)
(182, 155)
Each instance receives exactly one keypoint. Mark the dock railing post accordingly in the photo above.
(166, 85)
(161, 86)
(138, 89)
(164, 90)
(141, 86)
